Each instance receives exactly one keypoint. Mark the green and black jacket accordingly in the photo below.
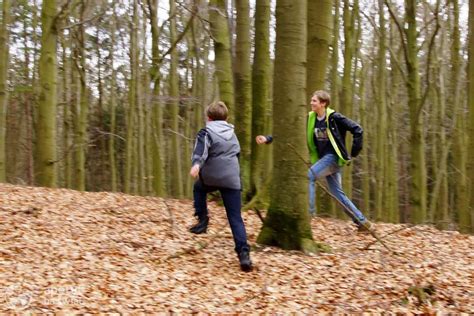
(337, 126)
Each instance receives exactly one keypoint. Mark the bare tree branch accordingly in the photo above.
(400, 29)
(392, 53)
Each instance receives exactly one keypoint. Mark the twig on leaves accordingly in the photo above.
(388, 234)
(197, 247)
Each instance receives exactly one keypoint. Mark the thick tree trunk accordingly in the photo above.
(287, 223)
(418, 189)
(320, 38)
(45, 149)
(243, 92)
(260, 91)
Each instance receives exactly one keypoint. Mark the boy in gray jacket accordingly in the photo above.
(215, 162)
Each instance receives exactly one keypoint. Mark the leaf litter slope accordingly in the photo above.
(70, 251)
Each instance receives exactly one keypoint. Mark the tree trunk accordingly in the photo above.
(381, 213)
(466, 223)
(287, 223)
(112, 105)
(260, 91)
(320, 38)
(67, 128)
(175, 154)
(365, 179)
(223, 58)
(141, 137)
(438, 206)
(4, 58)
(459, 136)
(83, 110)
(158, 144)
(335, 57)
(347, 92)
(418, 188)
(130, 165)
(45, 149)
(243, 93)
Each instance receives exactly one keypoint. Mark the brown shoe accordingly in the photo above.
(365, 228)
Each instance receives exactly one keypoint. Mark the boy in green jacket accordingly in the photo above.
(326, 133)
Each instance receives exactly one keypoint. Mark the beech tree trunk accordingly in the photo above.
(4, 58)
(287, 224)
(45, 149)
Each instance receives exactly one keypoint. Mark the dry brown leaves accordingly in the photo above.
(68, 251)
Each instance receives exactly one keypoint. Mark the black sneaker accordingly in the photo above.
(200, 227)
(244, 259)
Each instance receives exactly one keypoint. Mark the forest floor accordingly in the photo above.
(68, 251)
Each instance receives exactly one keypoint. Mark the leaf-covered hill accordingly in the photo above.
(63, 250)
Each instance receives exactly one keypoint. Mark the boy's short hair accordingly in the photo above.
(217, 111)
(323, 96)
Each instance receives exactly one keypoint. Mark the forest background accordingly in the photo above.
(108, 95)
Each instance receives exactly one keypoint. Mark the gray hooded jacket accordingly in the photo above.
(217, 152)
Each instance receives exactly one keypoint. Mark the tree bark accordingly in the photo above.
(470, 75)
(158, 144)
(460, 138)
(130, 162)
(418, 188)
(223, 58)
(260, 91)
(320, 38)
(287, 223)
(175, 155)
(45, 149)
(112, 105)
(347, 97)
(381, 102)
(81, 137)
(243, 93)
(4, 62)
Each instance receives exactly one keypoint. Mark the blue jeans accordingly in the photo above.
(232, 204)
(327, 168)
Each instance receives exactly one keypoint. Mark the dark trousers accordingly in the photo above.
(232, 204)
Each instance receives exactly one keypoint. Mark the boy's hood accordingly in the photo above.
(221, 128)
